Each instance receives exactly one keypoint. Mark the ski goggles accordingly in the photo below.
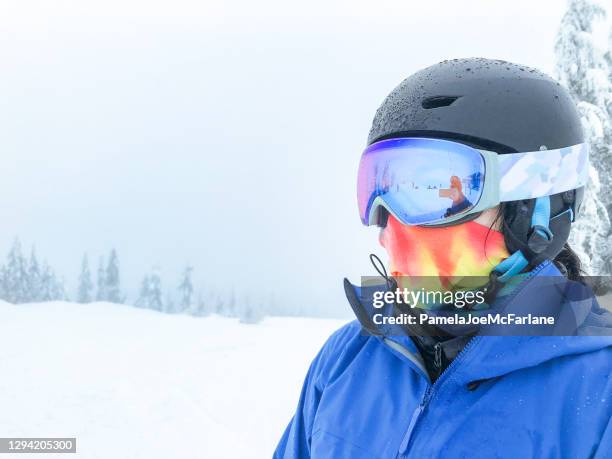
(435, 182)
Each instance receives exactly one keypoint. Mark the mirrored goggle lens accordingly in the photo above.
(419, 180)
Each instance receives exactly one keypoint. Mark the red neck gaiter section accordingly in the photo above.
(450, 253)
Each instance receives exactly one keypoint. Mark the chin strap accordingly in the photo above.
(538, 241)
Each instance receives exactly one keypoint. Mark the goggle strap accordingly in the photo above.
(534, 174)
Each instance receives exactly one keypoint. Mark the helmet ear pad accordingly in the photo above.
(518, 228)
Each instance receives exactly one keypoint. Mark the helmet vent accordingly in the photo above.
(438, 101)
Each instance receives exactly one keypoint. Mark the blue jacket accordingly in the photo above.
(539, 396)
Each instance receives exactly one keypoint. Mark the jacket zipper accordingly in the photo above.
(431, 390)
(438, 357)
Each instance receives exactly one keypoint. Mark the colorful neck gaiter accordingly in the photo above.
(457, 257)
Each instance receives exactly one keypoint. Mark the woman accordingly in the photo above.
(511, 140)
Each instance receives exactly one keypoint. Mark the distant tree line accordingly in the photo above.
(26, 280)
(108, 284)
(23, 279)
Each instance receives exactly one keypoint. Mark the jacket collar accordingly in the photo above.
(585, 326)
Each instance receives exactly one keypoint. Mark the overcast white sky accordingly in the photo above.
(223, 134)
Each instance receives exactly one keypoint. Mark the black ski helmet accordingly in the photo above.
(493, 105)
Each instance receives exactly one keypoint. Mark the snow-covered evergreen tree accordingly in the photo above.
(250, 312)
(150, 295)
(186, 289)
(85, 288)
(60, 290)
(101, 281)
(230, 306)
(3, 283)
(51, 288)
(47, 278)
(168, 305)
(219, 305)
(155, 285)
(201, 306)
(143, 295)
(608, 56)
(112, 280)
(585, 69)
(16, 282)
(34, 277)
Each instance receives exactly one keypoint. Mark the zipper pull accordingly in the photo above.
(438, 356)
(413, 420)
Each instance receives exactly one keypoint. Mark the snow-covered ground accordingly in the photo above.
(133, 383)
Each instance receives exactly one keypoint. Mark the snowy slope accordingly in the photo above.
(133, 383)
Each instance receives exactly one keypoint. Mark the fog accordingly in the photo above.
(225, 135)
